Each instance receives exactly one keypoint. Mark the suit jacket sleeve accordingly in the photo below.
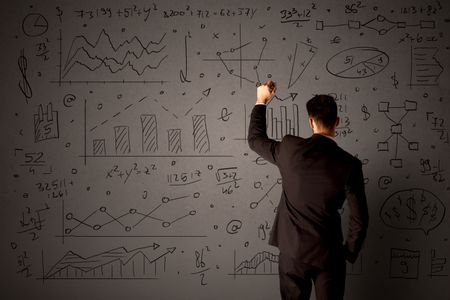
(358, 216)
(257, 136)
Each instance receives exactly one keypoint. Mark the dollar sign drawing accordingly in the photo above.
(59, 14)
(395, 81)
(365, 112)
(412, 216)
(24, 85)
(396, 213)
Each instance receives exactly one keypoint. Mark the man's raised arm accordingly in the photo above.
(257, 135)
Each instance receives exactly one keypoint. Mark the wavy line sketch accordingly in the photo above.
(357, 62)
(130, 54)
(119, 263)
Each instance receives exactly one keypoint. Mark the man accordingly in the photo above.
(317, 177)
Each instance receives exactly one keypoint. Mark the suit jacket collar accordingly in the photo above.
(322, 138)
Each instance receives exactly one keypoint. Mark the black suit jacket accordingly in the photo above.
(317, 177)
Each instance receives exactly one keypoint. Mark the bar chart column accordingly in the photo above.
(149, 128)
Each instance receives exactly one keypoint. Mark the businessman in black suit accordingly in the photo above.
(317, 177)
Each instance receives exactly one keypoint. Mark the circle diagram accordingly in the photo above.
(413, 209)
(357, 62)
(34, 25)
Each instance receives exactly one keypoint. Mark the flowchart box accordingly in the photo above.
(383, 146)
(396, 162)
(396, 129)
(410, 105)
(354, 24)
(414, 146)
(383, 107)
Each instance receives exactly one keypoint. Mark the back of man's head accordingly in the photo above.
(323, 109)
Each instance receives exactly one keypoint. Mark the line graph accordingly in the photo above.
(262, 263)
(119, 263)
(232, 55)
(103, 219)
(105, 60)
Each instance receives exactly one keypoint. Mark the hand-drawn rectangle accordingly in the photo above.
(99, 147)
(122, 139)
(149, 133)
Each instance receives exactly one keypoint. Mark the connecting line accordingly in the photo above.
(259, 59)
(403, 116)
(404, 138)
(231, 71)
(83, 222)
(293, 65)
(396, 146)
(394, 24)
(148, 215)
(389, 138)
(115, 219)
(240, 55)
(262, 51)
(177, 219)
(238, 48)
(173, 199)
(387, 116)
(255, 204)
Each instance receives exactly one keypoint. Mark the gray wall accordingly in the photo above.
(126, 172)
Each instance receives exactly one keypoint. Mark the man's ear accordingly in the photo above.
(337, 122)
(311, 123)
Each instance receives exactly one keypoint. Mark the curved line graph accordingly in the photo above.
(127, 54)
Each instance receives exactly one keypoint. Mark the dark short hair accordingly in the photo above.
(323, 109)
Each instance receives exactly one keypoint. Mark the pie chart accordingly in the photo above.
(357, 62)
(34, 25)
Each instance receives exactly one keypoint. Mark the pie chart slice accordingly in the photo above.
(358, 62)
(34, 25)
